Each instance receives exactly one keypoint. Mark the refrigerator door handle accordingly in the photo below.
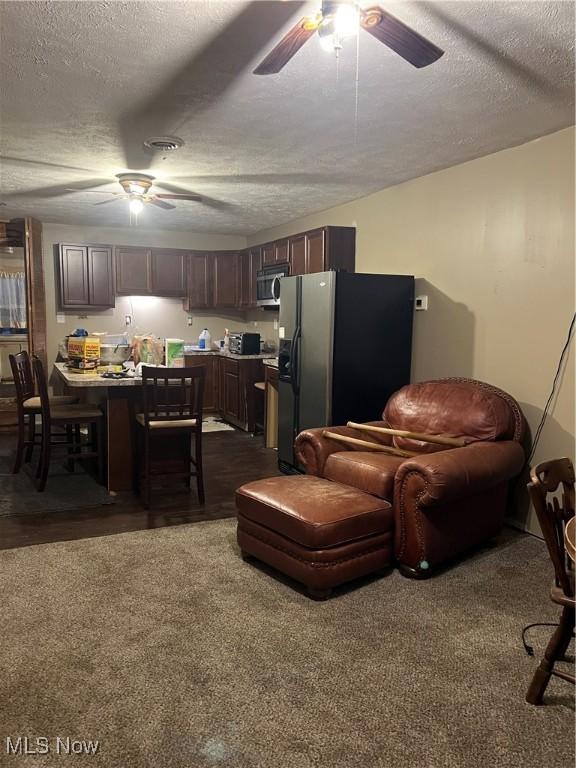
(295, 361)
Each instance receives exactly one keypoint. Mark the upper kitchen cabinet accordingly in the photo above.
(85, 277)
(275, 253)
(150, 272)
(225, 266)
(133, 267)
(322, 249)
(168, 272)
(199, 295)
(250, 263)
(213, 280)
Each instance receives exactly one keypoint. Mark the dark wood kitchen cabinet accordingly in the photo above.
(168, 272)
(199, 295)
(210, 362)
(132, 271)
(322, 249)
(225, 265)
(298, 247)
(85, 277)
(235, 393)
(276, 252)
(151, 272)
(250, 263)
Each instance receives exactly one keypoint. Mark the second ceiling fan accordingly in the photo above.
(338, 19)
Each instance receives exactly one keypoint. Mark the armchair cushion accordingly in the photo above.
(454, 407)
(444, 476)
(369, 472)
(313, 450)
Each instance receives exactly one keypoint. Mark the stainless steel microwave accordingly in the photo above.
(268, 284)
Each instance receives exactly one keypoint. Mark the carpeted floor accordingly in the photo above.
(172, 652)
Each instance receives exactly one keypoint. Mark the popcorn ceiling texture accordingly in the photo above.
(86, 82)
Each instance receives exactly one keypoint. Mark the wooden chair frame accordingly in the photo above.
(173, 395)
(71, 439)
(24, 385)
(547, 478)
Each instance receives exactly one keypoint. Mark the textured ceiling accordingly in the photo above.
(85, 82)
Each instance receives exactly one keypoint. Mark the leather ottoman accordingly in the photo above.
(316, 531)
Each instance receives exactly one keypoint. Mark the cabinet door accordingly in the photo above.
(255, 266)
(231, 395)
(268, 254)
(315, 252)
(225, 266)
(298, 255)
(208, 362)
(281, 252)
(199, 281)
(244, 279)
(73, 276)
(100, 276)
(168, 272)
(132, 271)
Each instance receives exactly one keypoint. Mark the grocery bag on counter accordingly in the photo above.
(148, 349)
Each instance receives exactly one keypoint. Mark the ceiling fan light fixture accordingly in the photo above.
(136, 206)
(347, 20)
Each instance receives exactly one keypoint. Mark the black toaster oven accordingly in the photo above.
(245, 343)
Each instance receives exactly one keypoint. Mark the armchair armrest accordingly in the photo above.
(437, 478)
(312, 449)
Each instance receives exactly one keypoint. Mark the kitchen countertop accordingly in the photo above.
(231, 355)
(271, 361)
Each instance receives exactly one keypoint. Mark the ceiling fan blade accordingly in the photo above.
(58, 190)
(162, 204)
(290, 44)
(91, 191)
(105, 202)
(402, 39)
(196, 198)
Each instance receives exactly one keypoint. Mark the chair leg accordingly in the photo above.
(19, 446)
(70, 464)
(147, 476)
(100, 450)
(44, 463)
(199, 470)
(555, 650)
(31, 437)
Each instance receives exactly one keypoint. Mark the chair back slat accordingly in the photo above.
(553, 514)
(22, 375)
(42, 387)
(172, 394)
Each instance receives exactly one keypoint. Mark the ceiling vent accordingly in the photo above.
(163, 143)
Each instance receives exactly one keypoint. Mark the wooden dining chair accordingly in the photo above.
(61, 427)
(547, 481)
(28, 408)
(172, 416)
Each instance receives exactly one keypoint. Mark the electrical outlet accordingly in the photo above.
(190, 320)
(128, 319)
(421, 303)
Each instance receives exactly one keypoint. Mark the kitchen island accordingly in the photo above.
(229, 391)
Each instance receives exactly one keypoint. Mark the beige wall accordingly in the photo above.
(162, 317)
(492, 245)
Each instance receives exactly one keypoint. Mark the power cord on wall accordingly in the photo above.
(550, 400)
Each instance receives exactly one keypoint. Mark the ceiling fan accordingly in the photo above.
(338, 19)
(136, 188)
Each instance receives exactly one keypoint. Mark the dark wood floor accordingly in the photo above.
(230, 459)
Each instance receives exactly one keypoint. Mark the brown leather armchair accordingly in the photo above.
(445, 501)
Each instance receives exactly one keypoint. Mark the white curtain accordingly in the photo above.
(12, 300)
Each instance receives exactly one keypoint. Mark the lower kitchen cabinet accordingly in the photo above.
(210, 382)
(236, 396)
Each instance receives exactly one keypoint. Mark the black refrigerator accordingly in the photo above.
(345, 346)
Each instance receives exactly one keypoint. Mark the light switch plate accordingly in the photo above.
(60, 318)
(421, 303)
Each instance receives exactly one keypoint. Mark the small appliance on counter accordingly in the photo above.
(242, 343)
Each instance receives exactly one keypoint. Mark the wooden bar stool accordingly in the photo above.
(172, 416)
(259, 407)
(28, 407)
(546, 479)
(71, 418)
